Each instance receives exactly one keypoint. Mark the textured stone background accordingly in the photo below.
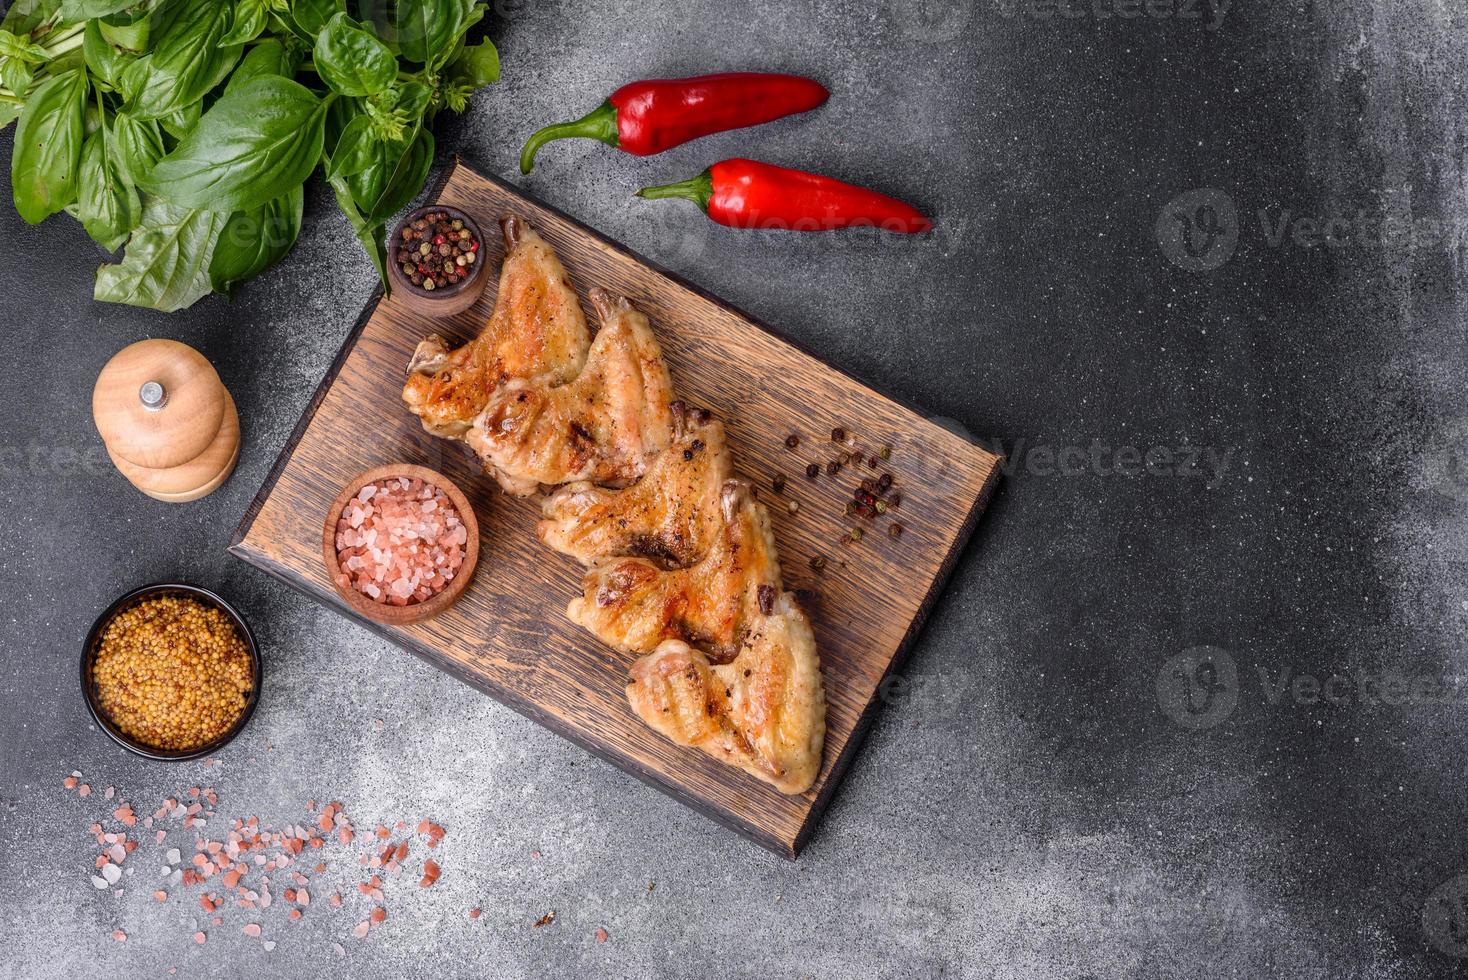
(1035, 802)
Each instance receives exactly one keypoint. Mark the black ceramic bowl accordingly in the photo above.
(94, 640)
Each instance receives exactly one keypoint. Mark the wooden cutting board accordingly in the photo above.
(508, 635)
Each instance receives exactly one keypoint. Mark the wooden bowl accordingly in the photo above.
(450, 299)
(415, 612)
(94, 642)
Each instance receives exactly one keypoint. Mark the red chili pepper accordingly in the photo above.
(644, 118)
(749, 194)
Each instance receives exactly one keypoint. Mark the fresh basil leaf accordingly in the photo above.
(188, 58)
(137, 144)
(420, 30)
(77, 10)
(256, 239)
(103, 60)
(249, 22)
(181, 122)
(24, 16)
(351, 60)
(107, 204)
(254, 144)
(476, 65)
(17, 76)
(48, 147)
(128, 31)
(166, 264)
(412, 99)
(19, 48)
(269, 57)
(9, 113)
(407, 178)
(311, 15)
(355, 150)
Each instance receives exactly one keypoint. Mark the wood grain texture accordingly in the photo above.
(508, 634)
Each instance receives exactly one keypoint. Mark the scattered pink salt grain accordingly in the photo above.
(70, 782)
(200, 938)
(339, 949)
(475, 913)
(160, 895)
(430, 873)
(399, 542)
(360, 930)
(119, 935)
(601, 935)
(84, 790)
(251, 929)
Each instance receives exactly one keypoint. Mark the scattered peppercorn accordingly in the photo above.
(854, 534)
(894, 501)
(884, 482)
(886, 451)
(435, 251)
(832, 468)
(791, 441)
(793, 506)
(813, 470)
(777, 484)
(894, 529)
(872, 462)
(818, 562)
(838, 434)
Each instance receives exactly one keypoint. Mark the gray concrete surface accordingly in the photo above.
(1063, 789)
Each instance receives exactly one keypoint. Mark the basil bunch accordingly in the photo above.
(185, 129)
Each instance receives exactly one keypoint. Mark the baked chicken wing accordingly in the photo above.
(764, 711)
(600, 426)
(537, 330)
(634, 604)
(670, 517)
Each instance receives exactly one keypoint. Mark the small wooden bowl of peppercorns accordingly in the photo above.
(434, 260)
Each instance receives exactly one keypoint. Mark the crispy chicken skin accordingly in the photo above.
(670, 517)
(600, 427)
(537, 330)
(765, 711)
(634, 605)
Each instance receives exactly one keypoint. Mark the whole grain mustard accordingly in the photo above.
(172, 673)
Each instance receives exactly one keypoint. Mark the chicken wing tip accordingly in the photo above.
(512, 226)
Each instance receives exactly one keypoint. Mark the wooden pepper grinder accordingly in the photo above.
(168, 422)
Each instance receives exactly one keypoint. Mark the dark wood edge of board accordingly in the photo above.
(528, 710)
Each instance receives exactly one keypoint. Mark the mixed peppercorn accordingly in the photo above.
(436, 251)
(873, 496)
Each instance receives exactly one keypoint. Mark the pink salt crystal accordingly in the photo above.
(84, 790)
(251, 929)
(119, 935)
(360, 931)
(200, 938)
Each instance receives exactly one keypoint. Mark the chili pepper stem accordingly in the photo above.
(598, 124)
(698, 189)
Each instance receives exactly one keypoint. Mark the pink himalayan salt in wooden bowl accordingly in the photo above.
(401, 543)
